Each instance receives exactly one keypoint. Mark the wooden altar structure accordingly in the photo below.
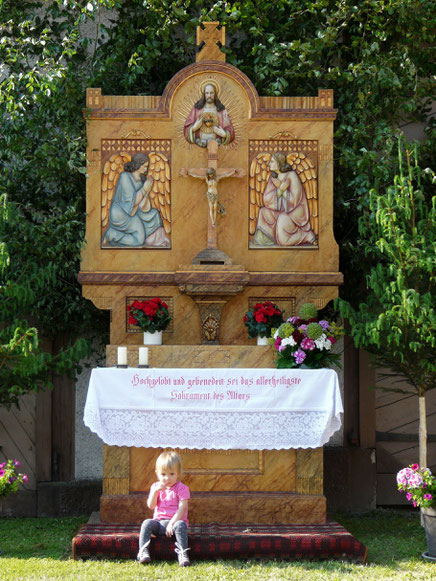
(210, 275)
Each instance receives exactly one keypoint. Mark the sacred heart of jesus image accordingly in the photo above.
(209, 119)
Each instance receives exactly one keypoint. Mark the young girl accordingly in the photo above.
(169, 499)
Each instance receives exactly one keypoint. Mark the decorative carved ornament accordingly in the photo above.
(210, 328)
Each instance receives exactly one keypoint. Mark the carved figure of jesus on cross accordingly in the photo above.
(212, 175)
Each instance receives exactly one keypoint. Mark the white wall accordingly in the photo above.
(88, 446)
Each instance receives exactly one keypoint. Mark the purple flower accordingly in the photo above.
(2, 465)
(408, 496)
(1, 473)
(17, 464)
(428, 496)
(25, 479)
(308, 344)
(293, 320)
(302, 329)
(415, 466)
(324, 324)
(299, 355)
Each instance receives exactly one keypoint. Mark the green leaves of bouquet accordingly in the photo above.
(306, 340)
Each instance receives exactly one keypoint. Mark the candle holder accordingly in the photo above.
(143, 366)
(122, 366)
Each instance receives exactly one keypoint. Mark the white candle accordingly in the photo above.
(122, 355)
(143, 356)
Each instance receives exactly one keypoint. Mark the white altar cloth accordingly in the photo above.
(252, 409)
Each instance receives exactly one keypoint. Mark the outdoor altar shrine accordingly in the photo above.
(213, 199)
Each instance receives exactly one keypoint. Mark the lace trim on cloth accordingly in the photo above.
(218, 431)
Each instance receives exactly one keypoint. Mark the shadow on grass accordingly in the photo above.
(392, 536)
(24, 538)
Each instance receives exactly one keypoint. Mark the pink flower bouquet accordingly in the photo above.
(10, 478)
(306, 340)
(419, 484)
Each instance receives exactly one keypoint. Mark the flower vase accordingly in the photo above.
(262, 340)
(429, 521)
(153, 338)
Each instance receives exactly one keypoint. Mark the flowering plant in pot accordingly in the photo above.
(10, 478)
(263, 317)
(419, 484)
(306, 341)
(150, 316)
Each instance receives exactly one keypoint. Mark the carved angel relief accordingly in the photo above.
(136, 201)
(283, 200)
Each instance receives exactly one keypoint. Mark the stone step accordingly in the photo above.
(225, 507)
(225, 541)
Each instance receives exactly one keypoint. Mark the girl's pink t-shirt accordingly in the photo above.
(168, 501)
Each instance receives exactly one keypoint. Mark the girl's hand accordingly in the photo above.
(170, 529)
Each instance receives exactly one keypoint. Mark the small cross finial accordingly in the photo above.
(211, 36)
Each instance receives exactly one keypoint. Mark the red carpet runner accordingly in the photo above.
(225, 541)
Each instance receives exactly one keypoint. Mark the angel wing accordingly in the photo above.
(307, 173)
(259, 176)
(160, 196)
(112, 170)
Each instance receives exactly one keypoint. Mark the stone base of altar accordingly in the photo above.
(224, 507)
(228, 486)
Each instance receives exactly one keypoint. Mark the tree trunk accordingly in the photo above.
(422, 432)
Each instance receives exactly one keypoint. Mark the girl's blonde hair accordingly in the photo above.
(169, 460)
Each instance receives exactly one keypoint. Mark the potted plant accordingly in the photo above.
(261, 319)
(152, 317)
(306, 340)
(10, 478)
(419, 484)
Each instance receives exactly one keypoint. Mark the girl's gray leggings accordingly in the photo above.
(159, 527)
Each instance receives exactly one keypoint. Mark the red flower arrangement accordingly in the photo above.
(150, 315)
(262, 318)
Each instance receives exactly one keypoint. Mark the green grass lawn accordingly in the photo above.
(41, 549)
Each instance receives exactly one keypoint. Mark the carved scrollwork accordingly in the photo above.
(210, 328)
(283, 135)
(136, 133)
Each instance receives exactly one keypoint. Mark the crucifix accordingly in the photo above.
(212, 175)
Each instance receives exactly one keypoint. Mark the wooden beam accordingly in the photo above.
(366, 401)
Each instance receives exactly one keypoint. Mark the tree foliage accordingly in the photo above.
(376, 55)
(397, 321)
(24, 366)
